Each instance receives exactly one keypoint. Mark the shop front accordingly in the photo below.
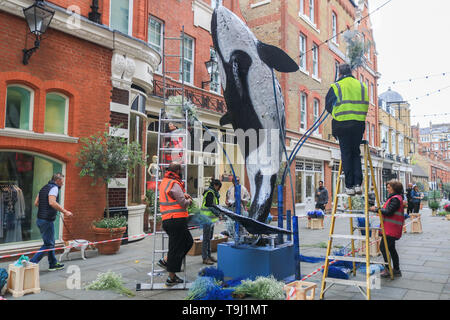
(22, 175)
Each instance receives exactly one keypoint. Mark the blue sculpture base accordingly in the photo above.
(247, 261)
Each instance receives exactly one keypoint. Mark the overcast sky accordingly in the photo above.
(412, 41)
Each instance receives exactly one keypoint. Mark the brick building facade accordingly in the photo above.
(84, 75)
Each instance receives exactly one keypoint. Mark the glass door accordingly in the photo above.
(309, 191)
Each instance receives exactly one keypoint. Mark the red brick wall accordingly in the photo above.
(79, 69)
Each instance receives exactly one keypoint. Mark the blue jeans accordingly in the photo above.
(47, 229)
(351, 157)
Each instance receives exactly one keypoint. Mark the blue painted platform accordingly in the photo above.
(247, 261)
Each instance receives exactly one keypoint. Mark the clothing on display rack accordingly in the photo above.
(12, 211)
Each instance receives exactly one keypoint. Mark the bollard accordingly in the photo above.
(280, 212)
(237, 202)
(296, 247)
(289, 224)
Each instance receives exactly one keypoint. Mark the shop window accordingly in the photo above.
(22, 176)
(56, 113)
(121, 12)
(19, 108)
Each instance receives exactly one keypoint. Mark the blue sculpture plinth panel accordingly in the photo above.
(245, 261)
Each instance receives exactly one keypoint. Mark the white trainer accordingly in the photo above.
(358, 189)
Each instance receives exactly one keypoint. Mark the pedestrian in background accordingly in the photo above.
(415, 199)
(48, 205)
(409, 198)
(321, 197)
(393, 220)
(210, 197)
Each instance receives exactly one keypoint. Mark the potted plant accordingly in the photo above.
(434, 206)
(150, 199)
(447, 211)
(102, 157)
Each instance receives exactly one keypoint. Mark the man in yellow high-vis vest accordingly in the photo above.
(348, 102)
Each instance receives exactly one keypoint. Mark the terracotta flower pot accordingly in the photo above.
(102, 234)
(158, 225)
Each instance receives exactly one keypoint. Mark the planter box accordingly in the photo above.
(197, 246)
(374, 247)
(102, 234)
(23, 280)
(416, 224)
(447, 216)
(315, 223)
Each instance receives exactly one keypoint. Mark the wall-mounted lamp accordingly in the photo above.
(211, 67)
(38, 17)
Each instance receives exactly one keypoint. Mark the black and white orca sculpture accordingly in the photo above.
(245, 66)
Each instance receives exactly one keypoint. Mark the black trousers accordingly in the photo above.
(416, 207)
(392, 251)
(180, 242)
(410, 207)
(351, 157)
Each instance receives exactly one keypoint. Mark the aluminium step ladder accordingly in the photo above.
(164, 138)
(370, 281)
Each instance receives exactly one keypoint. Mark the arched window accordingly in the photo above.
(56, 113)
(19, 107)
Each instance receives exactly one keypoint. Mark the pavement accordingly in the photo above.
(424, 262)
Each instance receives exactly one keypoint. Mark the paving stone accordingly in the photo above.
(426, 286)
(420, 295)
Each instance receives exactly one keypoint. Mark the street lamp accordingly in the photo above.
(211, 67)
(38, 18)
(384, 144)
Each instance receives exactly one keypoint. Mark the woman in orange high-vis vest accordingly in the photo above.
(393, 220)
(174, 202)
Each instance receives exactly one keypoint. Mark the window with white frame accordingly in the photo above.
(302, 41)
(371, 95)
(393, 142)
(401, 146)
(19, 107)
(302, 6)
(312, 10)
(56, 113)
(315, 54)
(215, 77)
(372, 135)
(303, 109)
(367, 131)
(155, 36)
(121, 16)
(316, 109)
(188, 63)
(334, 27)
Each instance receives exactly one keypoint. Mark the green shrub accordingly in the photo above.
(110, 223)
(434, 205)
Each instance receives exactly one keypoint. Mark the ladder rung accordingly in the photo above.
(174, 120)
(353, 211)
(168, 164)
(173, 88)
(173, 134)
(370, 228)
(346, 282)
(179, 72)
(162, 251)
(347, 258)
(173, 55)
(173, 105)
(172, 38)
(172, 149)
(349, 215)
(348, 236)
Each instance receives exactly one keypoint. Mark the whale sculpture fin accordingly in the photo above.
(251, 225)
(226, 119)
(276, 58)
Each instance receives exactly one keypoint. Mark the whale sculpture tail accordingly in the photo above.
(251, 225)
